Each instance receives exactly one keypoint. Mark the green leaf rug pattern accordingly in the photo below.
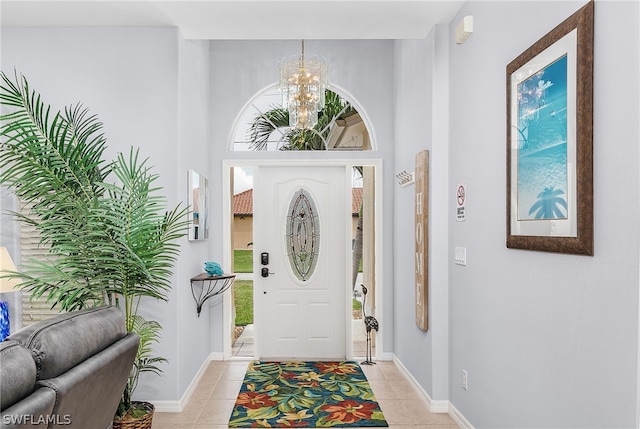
(306, 394)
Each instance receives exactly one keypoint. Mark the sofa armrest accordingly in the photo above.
(89, 393)
(34, 411)
(17, 372)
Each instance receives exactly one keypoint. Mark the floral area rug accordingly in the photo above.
(305, 394)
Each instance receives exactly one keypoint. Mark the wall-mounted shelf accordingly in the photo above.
(209, 286)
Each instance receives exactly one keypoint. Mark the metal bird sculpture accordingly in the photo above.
(370, 323)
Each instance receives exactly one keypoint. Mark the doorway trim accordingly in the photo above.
(227, 240)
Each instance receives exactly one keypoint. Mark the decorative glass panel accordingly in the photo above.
(303, 235)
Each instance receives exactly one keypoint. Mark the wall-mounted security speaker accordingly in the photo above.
(464, 29)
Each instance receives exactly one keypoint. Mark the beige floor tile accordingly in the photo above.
(227, 389)
(429, 426)
(189, 415)
(173, 419)
(216, 412)
(372, 372)
(210, 427)
(158, 425)
(217, 365)
(409, 427)
(395, 412)
(203, 392)
(441, 419)
(404, 389)
(235, 371)
(420, 415)
(212, 402)
(382, 389)
(212, 375)
(391, 372)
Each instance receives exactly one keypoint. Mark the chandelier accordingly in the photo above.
(302, 83)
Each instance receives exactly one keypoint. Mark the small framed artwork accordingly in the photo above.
(550, 141)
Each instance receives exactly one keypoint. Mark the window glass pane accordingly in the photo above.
(264, 125)
(302, 235)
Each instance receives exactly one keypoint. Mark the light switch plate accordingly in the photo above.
(461, 256)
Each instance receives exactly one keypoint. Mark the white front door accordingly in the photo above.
(301, 218)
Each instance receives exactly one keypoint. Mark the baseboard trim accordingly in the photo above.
(435, 406)
(385, 356)
(457, 417)
(167, 406)
(216, 356)
(440, 406)
(415, 383)
(178, 406)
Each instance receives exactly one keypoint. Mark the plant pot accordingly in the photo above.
(128, 421)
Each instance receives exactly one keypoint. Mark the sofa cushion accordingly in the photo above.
(17, 372)
(63, 341)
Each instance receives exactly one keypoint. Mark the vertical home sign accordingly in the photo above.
(421, 228)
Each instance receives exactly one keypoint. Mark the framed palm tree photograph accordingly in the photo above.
(550, 140)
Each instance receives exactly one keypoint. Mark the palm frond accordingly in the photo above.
(60, 152)
(265, 124)
(277, 118)
(104, 222)
(149, 333)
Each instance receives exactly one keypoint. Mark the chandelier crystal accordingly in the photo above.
(302, 83)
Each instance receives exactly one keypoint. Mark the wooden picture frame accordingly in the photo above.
(550, 140)
(422, 239)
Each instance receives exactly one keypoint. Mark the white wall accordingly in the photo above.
(149, 88)
(177, 100)
(364, 68)
(422, 116)
(194, 333)
(548, 340)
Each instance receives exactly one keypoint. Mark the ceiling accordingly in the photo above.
(242, 19)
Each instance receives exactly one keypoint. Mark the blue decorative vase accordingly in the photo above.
(213, 268)
(4, 320)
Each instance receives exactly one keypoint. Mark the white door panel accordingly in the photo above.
(302, 315)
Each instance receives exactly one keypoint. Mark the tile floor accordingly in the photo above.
(212, 402)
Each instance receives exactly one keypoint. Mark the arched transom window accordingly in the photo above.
(264, 125)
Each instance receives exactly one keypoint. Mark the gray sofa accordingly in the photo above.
(66, 372)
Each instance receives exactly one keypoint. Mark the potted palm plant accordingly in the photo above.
(110, 235)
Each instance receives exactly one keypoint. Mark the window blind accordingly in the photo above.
(31, 248)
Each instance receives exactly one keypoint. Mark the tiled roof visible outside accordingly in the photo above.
(356, 200)
(243, 202)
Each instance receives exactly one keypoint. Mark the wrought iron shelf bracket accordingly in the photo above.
(204, 286)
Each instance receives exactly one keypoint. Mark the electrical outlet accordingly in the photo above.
(464, 380)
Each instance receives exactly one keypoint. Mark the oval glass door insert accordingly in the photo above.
(303, 235)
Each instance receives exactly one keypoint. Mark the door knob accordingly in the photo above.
(265, 272)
